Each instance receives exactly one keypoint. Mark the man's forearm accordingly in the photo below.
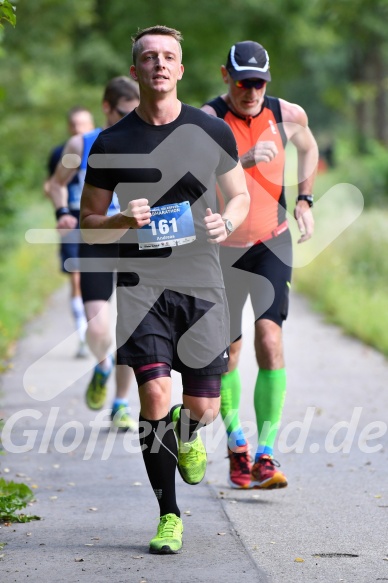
(237, 209)
(102, 229)
(306, 171)
(57, 193)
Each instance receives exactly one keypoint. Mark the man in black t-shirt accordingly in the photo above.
(163, 161)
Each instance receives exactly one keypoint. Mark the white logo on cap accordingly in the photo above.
(239, 68)
(252, 60)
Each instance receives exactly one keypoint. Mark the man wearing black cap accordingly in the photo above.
(261, 246)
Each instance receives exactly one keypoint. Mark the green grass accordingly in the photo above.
(348, 280)
(29, 274)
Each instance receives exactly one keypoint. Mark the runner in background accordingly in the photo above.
(79, 121)
(120, 97)
(260, 251)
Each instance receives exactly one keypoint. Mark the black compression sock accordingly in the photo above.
(160, 454)
(186, 427)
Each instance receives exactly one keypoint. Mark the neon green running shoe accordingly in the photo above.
(168, 539)
(97, 389)
(192, 458)
(122, 420)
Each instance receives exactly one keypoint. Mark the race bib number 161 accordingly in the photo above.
(171, 225)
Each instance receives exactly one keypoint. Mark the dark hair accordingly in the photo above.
(120, 87)
(158, 29)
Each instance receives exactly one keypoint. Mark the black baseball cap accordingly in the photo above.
(247, 60)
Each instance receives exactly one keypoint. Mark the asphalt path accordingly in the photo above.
(97, 509)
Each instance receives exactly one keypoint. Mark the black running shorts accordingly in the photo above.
(97, 266)
(189, 331)
(264, 273)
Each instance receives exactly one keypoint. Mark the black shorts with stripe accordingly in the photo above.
(188, 330)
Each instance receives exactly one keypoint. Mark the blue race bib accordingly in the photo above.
(171, 225)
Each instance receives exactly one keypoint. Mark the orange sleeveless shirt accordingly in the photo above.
(265, 181)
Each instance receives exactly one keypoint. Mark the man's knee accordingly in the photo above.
(202, 395)
(234, 354)
(268, 344)
(99, 333)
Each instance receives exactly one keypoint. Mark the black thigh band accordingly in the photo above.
(148, 372)
(201, 386)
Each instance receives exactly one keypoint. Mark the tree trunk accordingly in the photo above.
(360, 78)
(380, 71)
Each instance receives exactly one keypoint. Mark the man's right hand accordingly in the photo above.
(140, 212)
(66, 222)
(261, 152)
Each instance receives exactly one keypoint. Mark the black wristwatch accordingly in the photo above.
(309, 198)
(228, 226)
(63, 210)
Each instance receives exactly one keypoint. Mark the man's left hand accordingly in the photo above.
(304, 218)
(215, 227)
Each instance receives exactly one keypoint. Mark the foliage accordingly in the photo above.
(65, 51)
(347, 281)
(31, 273)
(369, 172)
(7, 13)
(14, 496)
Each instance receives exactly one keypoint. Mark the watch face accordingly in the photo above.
(306, 197)
(229, 226)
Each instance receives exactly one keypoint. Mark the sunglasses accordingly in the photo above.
(250, 83)
(121, 112)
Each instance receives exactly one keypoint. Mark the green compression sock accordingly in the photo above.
(230, 403)
(270, 392)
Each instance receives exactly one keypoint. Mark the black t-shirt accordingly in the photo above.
(168, 164)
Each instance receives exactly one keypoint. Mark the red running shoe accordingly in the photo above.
(240, 467)
(266, 476)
